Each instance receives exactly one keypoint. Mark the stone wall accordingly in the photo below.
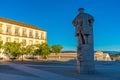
(63, 56)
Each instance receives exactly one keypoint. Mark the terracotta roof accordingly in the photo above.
(19, 23)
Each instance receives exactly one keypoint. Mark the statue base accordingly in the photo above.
(85, 59)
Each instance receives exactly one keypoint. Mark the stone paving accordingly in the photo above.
(29, 73)
(56, 71)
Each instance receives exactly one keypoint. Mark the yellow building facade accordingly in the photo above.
(11, 31)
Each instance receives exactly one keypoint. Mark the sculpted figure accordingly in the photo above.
(85, 50)
(83, 26)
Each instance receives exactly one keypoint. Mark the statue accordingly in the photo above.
(84, 32)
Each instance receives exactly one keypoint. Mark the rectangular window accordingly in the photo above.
(24, 33)
(8, 39)
(8, 30)
(24, 42)
(16, 31)
(16, 40)
(42, 36)
(30, 33)
(36, 35)
(30, 42)
(36, 42)
(1, 27)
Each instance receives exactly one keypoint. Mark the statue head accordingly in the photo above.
(81, 10)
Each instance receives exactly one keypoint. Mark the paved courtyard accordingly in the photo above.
(53, 70)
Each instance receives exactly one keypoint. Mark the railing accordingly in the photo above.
(17, 34)
(8, 33)
(30, 36)
(24, 35)
(36, 37)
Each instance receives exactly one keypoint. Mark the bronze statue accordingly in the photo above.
(85, 50)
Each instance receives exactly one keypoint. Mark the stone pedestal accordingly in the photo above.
(85, 61)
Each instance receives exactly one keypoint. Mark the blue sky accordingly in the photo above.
(55, 16)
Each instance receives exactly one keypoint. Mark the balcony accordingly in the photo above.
(8, 33)
(17, 34)
(36, 37)
(30, 36)
(24, 35)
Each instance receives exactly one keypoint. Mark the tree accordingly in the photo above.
(1, 45)
(23, 51)
(38, 49)
(23, 48)
(43, 50)
(56, 49)
(13, 48)
(30, 49)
